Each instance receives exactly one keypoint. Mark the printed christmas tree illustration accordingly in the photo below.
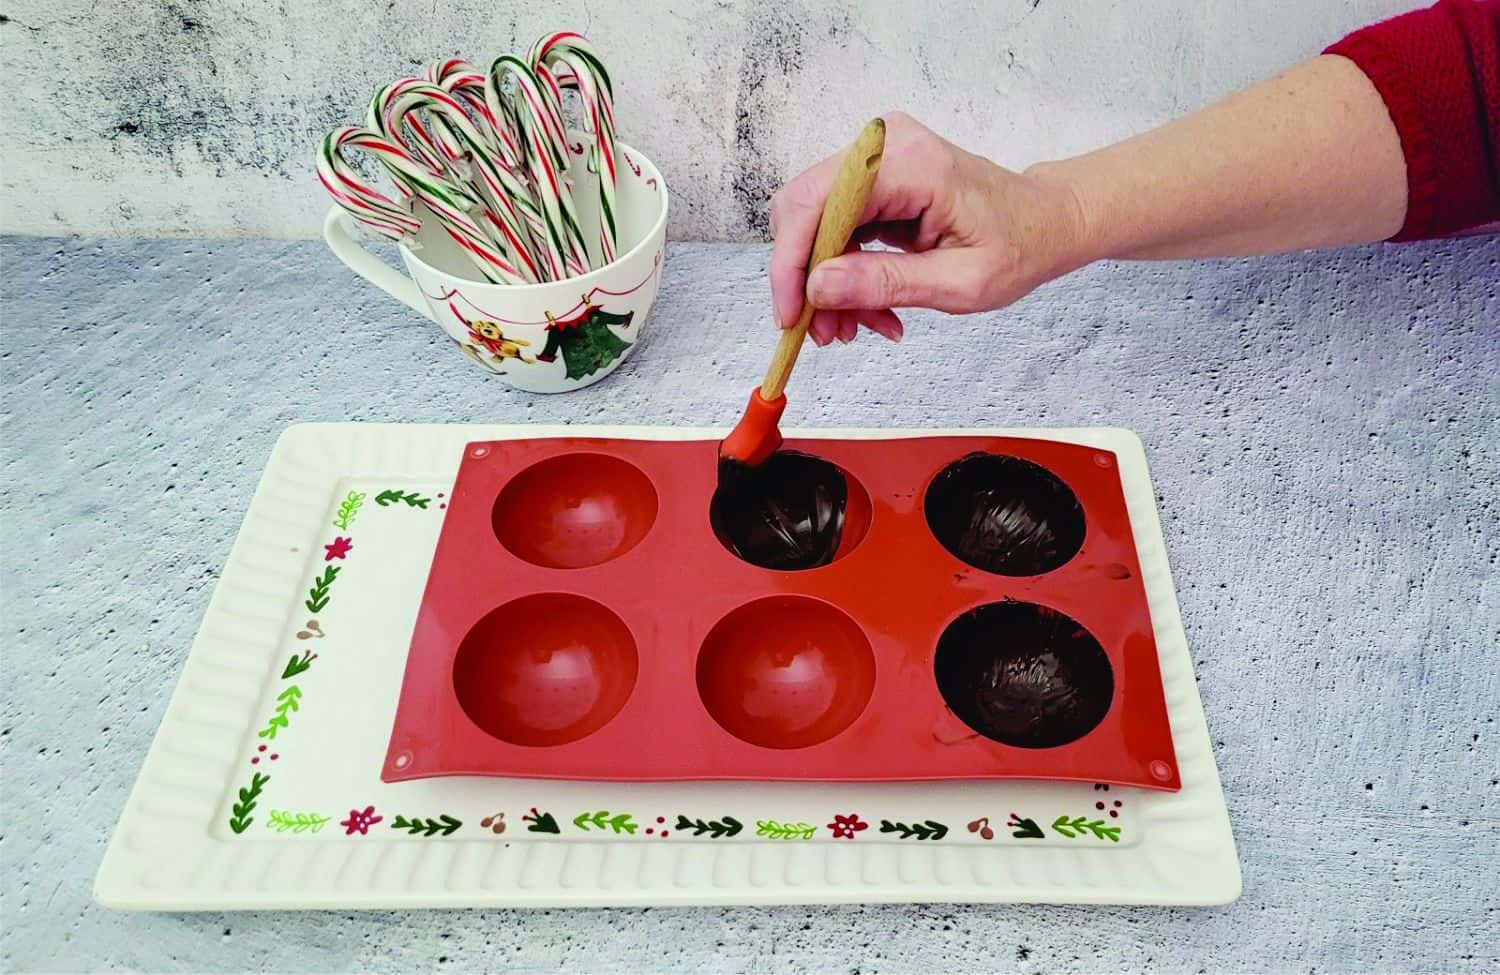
(584, 340)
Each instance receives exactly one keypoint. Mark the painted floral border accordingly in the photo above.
(279, 728)
(280, 723)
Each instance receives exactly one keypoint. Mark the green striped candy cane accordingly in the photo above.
(491, 146)
(470, 169)
(451, 201)
(575, 64)
(546, 160)
(348, 188)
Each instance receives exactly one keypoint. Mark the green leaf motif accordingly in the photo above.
(317, 595)
(287, 702)
(541, 823)
(444, 825)
(240, 818)
(348, 509)
(716, 828)
(295, 822)
(1025, 829)
(1083, 826)
(771, 829)
(926, 830)
(409, 498)
(297, 665)
(619, 823)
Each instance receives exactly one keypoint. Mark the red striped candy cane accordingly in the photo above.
(576, 64)
(361, 200)
(510, 191)
(450, 203)
(470, 213)
(546, 157)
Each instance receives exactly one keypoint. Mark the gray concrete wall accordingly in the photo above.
(199, 117)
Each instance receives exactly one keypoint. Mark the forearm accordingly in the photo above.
(1307, 159)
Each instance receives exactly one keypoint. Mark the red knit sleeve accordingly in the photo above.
(1438, 70)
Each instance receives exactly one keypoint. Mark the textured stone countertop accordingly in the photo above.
(1324, 432)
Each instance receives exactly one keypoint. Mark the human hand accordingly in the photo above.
(968, 236)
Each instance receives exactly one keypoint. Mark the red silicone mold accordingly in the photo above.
(982, 616)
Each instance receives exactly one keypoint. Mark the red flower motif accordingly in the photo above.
(360, 821)
(844, 827)
(338, 549)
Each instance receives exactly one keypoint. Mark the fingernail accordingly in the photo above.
(844, 340)
(827, 285)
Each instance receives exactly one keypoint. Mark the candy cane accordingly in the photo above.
(497, 242)
(501, 233)
(529, 124)
(546, 157)
(467, 83)
(517, 198)
(362, 201)
(509, 130)
(375, 210)
(587, 74)
(451, 203)
(471, 148)
(427, 146)
(487, 154)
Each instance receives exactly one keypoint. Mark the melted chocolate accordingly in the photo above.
(1004, 515)
(787, 513)
(1023, 675)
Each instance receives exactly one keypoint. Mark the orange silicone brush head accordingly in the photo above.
(757, 436)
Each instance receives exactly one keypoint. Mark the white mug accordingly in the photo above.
(543, 338)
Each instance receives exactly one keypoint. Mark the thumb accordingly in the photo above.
(943, 279)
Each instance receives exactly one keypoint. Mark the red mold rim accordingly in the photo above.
(786, 671)
(545, 669)
(574, 511)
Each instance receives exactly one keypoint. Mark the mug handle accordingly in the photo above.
(370, 267)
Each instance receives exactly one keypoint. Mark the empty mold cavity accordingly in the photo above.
(794, 511)
(1023, 675)
(545, 669)
(1004, 515)
(574, 510)
(785, 672)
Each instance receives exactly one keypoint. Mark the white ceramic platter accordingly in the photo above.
(262, 788)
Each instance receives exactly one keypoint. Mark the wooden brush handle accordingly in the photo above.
(841, 213)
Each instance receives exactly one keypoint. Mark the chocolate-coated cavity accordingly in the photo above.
(788, 513)
(1004, 515)
(574, 510)
(1023, 675)
(785, 672)
(545, 669)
